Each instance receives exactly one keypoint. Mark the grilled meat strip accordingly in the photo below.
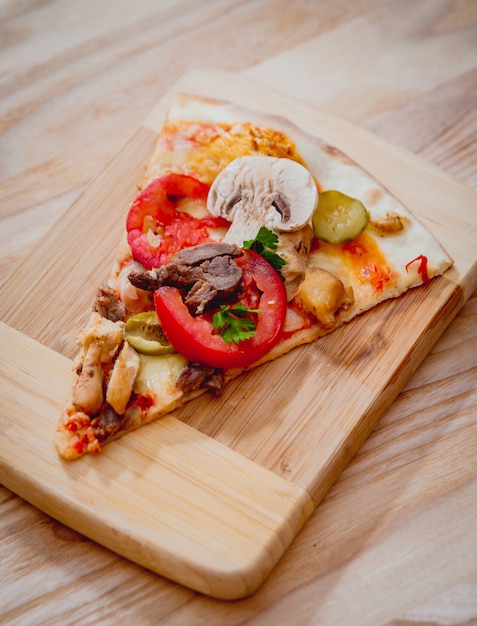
(203, 273)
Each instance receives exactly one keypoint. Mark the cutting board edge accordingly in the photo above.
(15, 310)
(473, 267)
(448, 303)
(50, 484)
(227, 582)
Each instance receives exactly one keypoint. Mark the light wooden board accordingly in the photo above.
(212, 496)
(183, 504)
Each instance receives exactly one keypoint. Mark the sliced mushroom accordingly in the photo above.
(88, 392)
(122, 379)
(255, 191)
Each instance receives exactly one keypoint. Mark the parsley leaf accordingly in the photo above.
(267, 238)
(265, 243)
(234, 323)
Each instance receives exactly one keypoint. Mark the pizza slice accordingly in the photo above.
(248, 238)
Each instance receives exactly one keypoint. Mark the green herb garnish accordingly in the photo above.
(265, 243)
(234, 323)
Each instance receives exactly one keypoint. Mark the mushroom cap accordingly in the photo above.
(254, 191)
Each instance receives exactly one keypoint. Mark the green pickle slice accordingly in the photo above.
(339, 218)
(144, 333)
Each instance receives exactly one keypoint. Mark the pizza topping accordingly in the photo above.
(144, 333)
(294, 249)
(265, 243)
(197, 376)
(88, 391)
(392, 223)
(422, 268)
(105, 425)
(207, 252)
(339, 218)
(135, 300)
(234, 323)
(322, 294)
(108, 304)
(120, 384)
(256, 191)
(109, 335)
(145, 281)
(156, 227)
(194, 336)
(204, 273)
(157, 378)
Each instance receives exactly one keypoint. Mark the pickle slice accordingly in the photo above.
(144, 333)
(339, 218)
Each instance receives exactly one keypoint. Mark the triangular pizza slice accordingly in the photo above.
(248, 237)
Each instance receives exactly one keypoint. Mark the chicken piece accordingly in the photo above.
(122, 378)
(322, 294)
(88, 391)
(109, 335)
(294, 248)
(392, 223)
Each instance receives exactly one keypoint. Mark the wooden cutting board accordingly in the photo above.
(212, 495)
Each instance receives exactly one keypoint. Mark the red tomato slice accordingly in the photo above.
(194, 337)
(156, 208)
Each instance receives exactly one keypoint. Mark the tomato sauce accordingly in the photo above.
(368, 262)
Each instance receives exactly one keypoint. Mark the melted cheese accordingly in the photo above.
(205, 150)
(157, 376)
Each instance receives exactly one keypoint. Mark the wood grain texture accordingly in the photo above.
(394, 540)
(74, 257)
(307, 437)
(157, 499)
(72, 249)
(73, 78)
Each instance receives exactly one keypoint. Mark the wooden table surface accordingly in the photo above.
(395, 540)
